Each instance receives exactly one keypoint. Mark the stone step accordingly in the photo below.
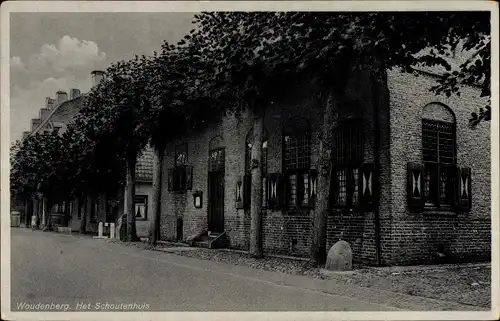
(201, 244)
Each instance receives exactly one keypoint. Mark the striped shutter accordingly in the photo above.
(274, 191)
(240, 193)
(313, 187)
(367, 186)
(464, 189)
(415, 187)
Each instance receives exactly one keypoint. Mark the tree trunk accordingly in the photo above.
(83, 221)
(154, 227)
(66, 214)
(130, 205)
(26, 213)
(46, 214)
(256, 191)
(320, 214)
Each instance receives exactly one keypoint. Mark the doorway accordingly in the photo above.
(216, 191)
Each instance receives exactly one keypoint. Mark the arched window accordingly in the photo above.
(217, 154)
(296, 161)
(248, 168)
(439, 154)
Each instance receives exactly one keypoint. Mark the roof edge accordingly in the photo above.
(46, 120)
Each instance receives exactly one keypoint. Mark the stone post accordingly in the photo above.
(112, 230)
(100, 230)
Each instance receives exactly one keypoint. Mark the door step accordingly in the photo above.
(203, 244)
(214, 240)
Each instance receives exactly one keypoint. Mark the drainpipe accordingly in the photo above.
(376, 160)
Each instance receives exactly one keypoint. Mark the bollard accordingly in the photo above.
(33, 222)
(112, 230)
(100, 230)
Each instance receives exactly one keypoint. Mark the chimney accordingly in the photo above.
(73, 93)
(49, 103)
(25, 134)
(35, 123)
(97, 76)
(61, 96)
(44, 112)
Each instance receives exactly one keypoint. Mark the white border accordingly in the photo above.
(196, 6)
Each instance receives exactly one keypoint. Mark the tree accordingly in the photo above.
(39, 170)
(120, 110)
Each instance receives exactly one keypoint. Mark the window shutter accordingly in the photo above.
(313, 185)
(170, 179)
(366, 186)
(464, 189)
(247, 190)
(189, 177)
(300, 189)
(415, 187)
(240, 192)
(274, 191)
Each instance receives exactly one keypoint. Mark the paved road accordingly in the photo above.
(85, 274)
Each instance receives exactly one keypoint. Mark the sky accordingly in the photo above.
(57, 51)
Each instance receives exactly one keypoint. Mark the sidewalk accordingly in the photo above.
(383, 287)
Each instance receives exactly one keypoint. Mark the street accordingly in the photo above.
(75, 273)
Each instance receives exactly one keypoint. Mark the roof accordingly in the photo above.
(66, 112)
(144, 167)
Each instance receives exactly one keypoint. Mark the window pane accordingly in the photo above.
(431, 183)
(305, 192)
(293, 189)
(430, 141)
(140, 207)
(342, 187)
(446, 143)
(291, 153)
(446, 186)
(355, 186)
(348, 144)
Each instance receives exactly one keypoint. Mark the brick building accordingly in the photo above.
(429, 201)
(58, 113)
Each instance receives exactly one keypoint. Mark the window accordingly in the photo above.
(216, 160)
(248, 168)
(347, 158)
(59, 208)
(181, 155)
(141, 207)
(296, 162)
(438, 150)
(180, 177)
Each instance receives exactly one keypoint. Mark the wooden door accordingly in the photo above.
(216, 201)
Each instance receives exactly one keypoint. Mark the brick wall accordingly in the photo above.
(286, 232)
(418, 237)
(358, 230)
